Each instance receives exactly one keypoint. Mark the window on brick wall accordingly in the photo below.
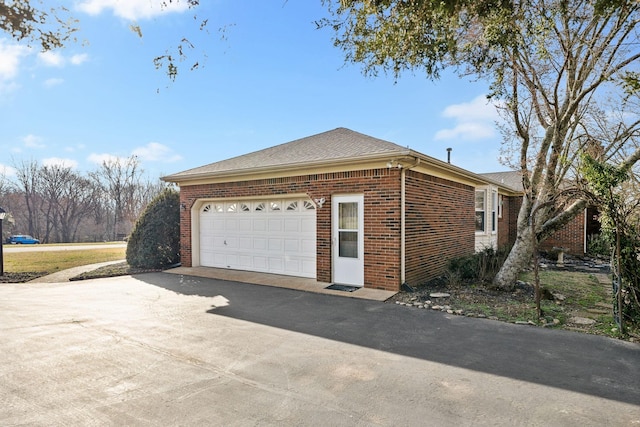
(481, 210)
(494, 211)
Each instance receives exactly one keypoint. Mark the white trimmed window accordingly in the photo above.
(481, 211)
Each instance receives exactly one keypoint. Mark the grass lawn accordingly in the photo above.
(30, 264)
(570, 297)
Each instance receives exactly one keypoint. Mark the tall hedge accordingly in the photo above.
(155, 239)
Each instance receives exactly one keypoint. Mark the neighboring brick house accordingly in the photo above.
(340, 207)
(573, 237)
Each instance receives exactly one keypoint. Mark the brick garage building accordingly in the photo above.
(340, 207)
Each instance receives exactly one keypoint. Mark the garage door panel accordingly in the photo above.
(276, 264)
(219, 259)
(245, 243)
(266, 236)
(292, 245)
(308, 225)
(232, 260)
(308, 246)
(259, 243)
(292, 266)
(259, 224)
(292, 225)
(231, 242)
(308, 267)
(260, 263)
(217, 243)
(231, 225)
(206, 258)
(275, 225)
(244, 225)
(275, 245)
(206, 244)
(245, 261)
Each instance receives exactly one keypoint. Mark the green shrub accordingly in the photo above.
(481, 266)
(155, 239)
(598, 244)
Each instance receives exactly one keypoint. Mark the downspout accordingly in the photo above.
(403, 237)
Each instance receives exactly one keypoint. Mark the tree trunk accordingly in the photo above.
(518, 258)
(521, 252)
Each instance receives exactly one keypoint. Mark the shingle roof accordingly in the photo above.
(511, 179)
(333, 145)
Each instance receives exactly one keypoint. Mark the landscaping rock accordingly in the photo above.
(439, 295)
(583, 321)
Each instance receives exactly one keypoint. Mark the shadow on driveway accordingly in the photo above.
(589, 364)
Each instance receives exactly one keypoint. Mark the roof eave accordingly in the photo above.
(249, 173)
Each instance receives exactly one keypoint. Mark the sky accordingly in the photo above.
(268, 78)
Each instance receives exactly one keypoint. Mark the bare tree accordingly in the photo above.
(119, 179)
(28, 183)
(68, 198)
(550, 61)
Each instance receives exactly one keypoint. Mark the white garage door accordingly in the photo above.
(272, 236)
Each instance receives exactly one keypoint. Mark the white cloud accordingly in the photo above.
(51, 58)
(133, 9)
(156, 152)
(466, 131)
(474, 120)
(49, 83)
(79, 58)
(10, 55)
(7, 171)
(57, 161)
(33, 141)
(480, 108)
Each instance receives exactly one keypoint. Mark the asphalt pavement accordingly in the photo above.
(170, 349)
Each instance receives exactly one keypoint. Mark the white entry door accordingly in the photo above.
(347, 219)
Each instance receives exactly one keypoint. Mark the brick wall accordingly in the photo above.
(440, 225)
(571, 237)
(440, 219)
(381, 189)
(504, 223)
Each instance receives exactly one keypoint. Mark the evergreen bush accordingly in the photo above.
(155, 239)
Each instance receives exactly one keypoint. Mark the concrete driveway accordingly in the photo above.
(167, 349)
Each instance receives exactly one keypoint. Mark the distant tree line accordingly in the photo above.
(57, 204)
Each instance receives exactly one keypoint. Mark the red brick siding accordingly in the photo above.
(503, 223)
(381, 189)
(570, 237)
(514, 209)
(439, 214)
(440, 225)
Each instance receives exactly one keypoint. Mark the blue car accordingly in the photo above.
(22, 239)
